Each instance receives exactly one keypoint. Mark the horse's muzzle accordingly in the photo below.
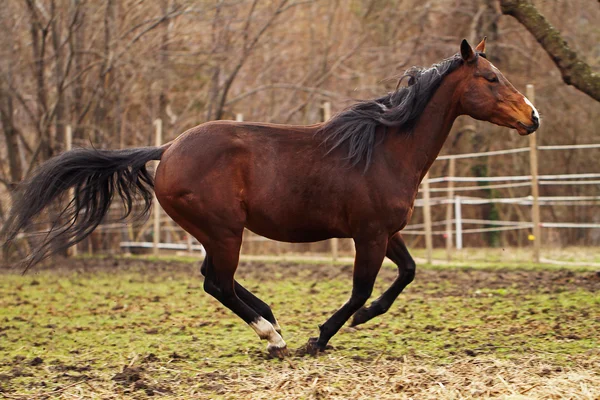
(534, 126)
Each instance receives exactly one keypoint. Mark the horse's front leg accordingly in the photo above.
(398, 253)
(369, 256)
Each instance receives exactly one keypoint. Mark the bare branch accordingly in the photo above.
(261, 88)
(573, 69)
(246, 52)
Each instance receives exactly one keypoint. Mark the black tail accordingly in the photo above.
(96, 177)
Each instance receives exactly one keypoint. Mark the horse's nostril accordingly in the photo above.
(534, 118)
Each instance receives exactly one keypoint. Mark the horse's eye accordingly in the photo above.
(492, 79)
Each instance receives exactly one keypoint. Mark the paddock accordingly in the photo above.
(136, 327)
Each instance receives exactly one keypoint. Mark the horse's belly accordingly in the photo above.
(294, 236)
(294, 227)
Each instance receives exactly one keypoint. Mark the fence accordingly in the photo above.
(165, 235)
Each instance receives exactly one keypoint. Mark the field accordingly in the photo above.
(132, 328)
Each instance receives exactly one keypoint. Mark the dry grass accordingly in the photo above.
(331, 378)
(334, 377)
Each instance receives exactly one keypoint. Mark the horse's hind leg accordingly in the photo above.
(398, 253)
(245, 295)
(258, 305)
(220, 283)
(223, 243)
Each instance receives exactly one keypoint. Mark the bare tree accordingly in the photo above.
(573, 69)
(110, 68)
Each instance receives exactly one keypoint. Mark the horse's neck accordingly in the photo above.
(422, 146)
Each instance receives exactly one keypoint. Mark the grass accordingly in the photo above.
(134, 329)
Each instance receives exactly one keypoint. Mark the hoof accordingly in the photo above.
(313, 347)
(278, 352)
(360, 317)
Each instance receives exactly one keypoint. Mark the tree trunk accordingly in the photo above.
(60, 109)
(163, 101)
(11, 134)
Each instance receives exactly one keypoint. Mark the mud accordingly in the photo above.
(461, 279)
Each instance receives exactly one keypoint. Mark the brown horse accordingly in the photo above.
(355, 176)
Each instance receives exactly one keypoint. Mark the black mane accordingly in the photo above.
(356, 126)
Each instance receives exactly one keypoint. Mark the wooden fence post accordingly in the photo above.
(72, 251)
(451, 173)
(427, 219)
(156, 235)
(188, 239)
(333, 241)
(535, 190)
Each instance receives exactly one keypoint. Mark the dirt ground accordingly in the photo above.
(546, 280)
(131, 328)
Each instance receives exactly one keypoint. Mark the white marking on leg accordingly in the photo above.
(535, 111)
(276, 326)
(265, 330)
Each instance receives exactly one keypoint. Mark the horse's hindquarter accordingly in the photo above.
(200, 180)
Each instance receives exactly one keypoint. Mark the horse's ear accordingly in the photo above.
(481, 46)
(466, 51)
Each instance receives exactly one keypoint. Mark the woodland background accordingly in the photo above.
(110, 68)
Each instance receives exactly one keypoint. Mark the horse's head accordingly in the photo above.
(485, 93)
